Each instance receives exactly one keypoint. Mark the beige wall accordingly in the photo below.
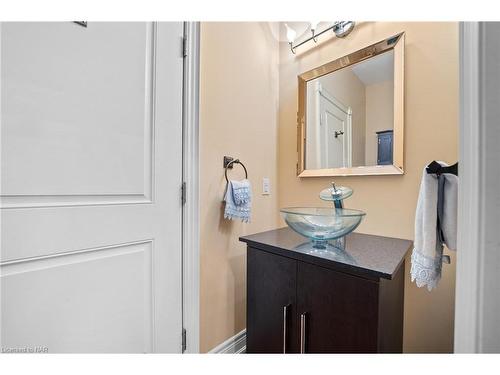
(379, 115)
(238, 117)
(431, 132)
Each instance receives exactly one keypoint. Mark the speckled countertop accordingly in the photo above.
(364, 255)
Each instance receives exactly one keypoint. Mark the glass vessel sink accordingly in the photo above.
(324, 226)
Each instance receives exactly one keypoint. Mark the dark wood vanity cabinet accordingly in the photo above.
(299, 301)
(339, 311)
(271, 303)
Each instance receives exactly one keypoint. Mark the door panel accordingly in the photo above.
(271, 287)
(126, 297)
(91, 175)
(340, 311)
(334, 119)
(91, 87)
(334, 146)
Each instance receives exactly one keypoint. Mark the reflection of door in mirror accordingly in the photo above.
(330, 130)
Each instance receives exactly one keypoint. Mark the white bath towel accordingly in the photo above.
(427, 257)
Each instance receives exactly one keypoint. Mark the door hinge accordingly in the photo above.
(184, 46)
(183, 193)
(184, 344)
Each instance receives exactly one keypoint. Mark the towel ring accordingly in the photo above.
(235, 161)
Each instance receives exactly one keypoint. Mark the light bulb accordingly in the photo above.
(314, 25)
(290, 33)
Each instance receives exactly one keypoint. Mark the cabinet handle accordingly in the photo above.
(285, 319)
(302, 333)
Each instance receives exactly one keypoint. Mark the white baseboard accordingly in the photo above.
(233, 345)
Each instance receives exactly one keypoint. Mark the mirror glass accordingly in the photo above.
(350, 115)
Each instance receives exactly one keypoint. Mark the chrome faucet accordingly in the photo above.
(336, 194)
(336, 202)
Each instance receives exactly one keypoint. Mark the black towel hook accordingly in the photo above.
(435, 168)
(228, 162)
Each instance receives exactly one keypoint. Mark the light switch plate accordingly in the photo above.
(266, 186)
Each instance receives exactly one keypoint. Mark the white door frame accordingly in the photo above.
(477, 302)
(469, 247)
(190, 219)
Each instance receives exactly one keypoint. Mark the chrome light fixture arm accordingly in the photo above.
(340, 28)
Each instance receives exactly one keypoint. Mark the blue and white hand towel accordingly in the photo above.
(427, 257)
(238, 200)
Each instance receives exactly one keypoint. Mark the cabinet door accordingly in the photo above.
(271, 307)
(384, 156)
(337, 312)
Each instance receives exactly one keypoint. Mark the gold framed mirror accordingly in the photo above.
(351, 113)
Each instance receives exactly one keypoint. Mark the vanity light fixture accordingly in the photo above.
(290, 34)
(314, 27)
(340, 28)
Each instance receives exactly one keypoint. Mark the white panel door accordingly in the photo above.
(335, 131)
(91, 169)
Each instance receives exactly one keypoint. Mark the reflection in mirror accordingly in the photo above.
(350, 115)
